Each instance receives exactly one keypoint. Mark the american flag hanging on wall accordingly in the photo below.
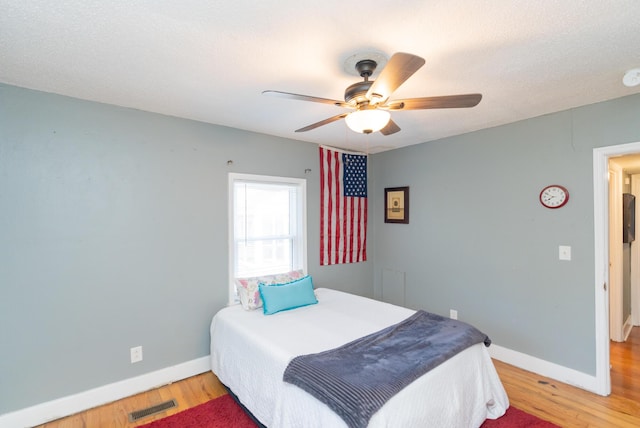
(343, 207)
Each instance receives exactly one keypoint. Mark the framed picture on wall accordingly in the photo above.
(396, 205)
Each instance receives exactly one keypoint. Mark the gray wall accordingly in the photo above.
(113, 234)
(480, 242)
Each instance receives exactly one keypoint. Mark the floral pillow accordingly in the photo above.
(249, 293)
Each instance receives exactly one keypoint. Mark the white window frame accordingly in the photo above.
(301, 183)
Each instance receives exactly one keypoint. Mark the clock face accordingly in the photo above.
(554, 196)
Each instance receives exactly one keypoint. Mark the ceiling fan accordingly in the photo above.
(370, 98)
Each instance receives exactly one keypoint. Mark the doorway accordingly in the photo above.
(601, 158)
(624, 254)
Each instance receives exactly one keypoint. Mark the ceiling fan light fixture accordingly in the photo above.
(631, 78)
(366, 121)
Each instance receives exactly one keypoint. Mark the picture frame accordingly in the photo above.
(396, 205)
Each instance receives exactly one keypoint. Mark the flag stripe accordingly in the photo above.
(363, 250)
(349, 225)
(337, 196)
(322, 208)
(356, 227)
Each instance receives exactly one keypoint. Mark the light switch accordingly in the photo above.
(564, 252)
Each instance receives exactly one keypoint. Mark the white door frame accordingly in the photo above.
(601, 244)
(616, 261)
(635, 258)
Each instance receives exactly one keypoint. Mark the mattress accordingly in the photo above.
(250, 351)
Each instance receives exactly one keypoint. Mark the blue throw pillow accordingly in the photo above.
(291, 295)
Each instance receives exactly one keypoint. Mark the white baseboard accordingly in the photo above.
(544, 368)
(65, 406)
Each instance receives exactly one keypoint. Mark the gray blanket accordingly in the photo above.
(356, 379)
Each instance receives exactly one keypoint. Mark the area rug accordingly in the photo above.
(516, 418)
(223, 412)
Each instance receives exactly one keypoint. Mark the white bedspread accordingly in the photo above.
(250, 351)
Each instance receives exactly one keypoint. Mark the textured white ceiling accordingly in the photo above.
(210, 60)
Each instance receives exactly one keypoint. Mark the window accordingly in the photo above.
(267, 226)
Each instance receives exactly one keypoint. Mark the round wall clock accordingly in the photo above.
(554, 196)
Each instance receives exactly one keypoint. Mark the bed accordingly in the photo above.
(250, 352)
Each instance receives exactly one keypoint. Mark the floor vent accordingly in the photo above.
(143, 413)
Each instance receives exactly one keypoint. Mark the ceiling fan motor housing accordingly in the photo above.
(356, 94)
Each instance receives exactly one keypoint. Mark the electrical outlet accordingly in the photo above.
(453, 314)
(136, 354)
(564, 252)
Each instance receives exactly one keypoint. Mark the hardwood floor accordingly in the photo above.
(188, 393)
(570, 407)
(554, 401)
